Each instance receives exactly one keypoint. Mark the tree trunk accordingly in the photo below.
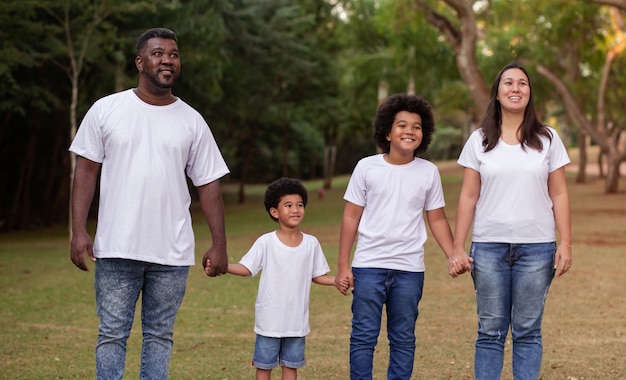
(20, 213)
(285, 149)
(330, 158)
(611, 182)
(463, 41)
(581, 176)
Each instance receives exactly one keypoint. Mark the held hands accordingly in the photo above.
(215, 262)
(458, 263)
(344, 281)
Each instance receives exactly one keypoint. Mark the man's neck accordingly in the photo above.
(155, 98)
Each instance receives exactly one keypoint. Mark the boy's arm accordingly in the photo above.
(236, 269)
(324, 279)
(349, 226)
(457, 263)
(239, 270)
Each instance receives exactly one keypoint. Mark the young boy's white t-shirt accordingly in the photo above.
(514, 204)
(392, 231)
(282, 303)
(145, 152)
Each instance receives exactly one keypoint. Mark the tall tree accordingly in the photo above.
(610, 122)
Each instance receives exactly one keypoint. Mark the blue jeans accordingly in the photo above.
(401, 292)
(118, 283)
(511, 283)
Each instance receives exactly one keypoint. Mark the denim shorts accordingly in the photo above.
(270, 352)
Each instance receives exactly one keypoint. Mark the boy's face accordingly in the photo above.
(290, 210)
(405, 134)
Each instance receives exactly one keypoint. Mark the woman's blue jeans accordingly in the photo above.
(118, 283)
(511, 283)
(400, 292)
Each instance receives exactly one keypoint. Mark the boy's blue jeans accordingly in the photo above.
(401, 292)
(118, 283)
(511, 283)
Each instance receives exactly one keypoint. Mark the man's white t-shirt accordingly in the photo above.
(392, 231)
(514, 205)
(282, 303)
(146, 152)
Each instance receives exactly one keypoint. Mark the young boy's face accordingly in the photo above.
(290, 210)
(405, 134)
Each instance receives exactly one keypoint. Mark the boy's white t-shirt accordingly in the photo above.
(392, 231)
(514, 204)
(282, 303)
(146, 152)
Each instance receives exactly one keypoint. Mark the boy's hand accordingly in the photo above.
(207, 266)
(344, 284)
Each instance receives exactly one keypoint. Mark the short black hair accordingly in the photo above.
(152, 33)
(281, 187)
(386, 114)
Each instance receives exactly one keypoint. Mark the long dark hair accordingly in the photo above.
(531, 129)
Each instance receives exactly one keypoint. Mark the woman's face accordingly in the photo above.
(513, 91)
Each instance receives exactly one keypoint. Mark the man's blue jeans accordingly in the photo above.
(401, 292)
(511, 283)
(118, 283)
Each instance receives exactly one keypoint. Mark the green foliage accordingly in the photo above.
(277, 80)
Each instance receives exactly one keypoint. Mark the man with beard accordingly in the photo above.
(146, 141)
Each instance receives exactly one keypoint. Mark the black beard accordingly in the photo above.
(154, 79)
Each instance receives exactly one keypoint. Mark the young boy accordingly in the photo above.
(289, 260)
(386, 197)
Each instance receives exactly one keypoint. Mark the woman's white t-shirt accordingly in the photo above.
(514, 205)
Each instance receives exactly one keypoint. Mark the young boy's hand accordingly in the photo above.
(344, 284)
(207, 266)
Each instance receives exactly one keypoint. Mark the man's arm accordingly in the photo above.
(212, 206)
(83, 190)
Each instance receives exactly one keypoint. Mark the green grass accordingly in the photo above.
(49, 325)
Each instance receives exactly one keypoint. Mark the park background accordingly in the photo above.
(289, 88)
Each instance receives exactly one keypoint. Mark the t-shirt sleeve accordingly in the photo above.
(435, 198)
(205, 163)
(356, 190)
(469, 154)
(320, 265)
(89, 142)
(253, 259)
(558, 153)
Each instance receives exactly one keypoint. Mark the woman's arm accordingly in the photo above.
(557, 189)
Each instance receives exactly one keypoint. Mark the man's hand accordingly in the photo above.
(218, 262)
(80, 245)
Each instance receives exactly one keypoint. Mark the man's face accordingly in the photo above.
(159, 63)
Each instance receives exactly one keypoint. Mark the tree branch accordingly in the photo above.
(621, 4)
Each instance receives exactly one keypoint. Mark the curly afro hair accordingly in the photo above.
(281, 187)
(386, 113)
